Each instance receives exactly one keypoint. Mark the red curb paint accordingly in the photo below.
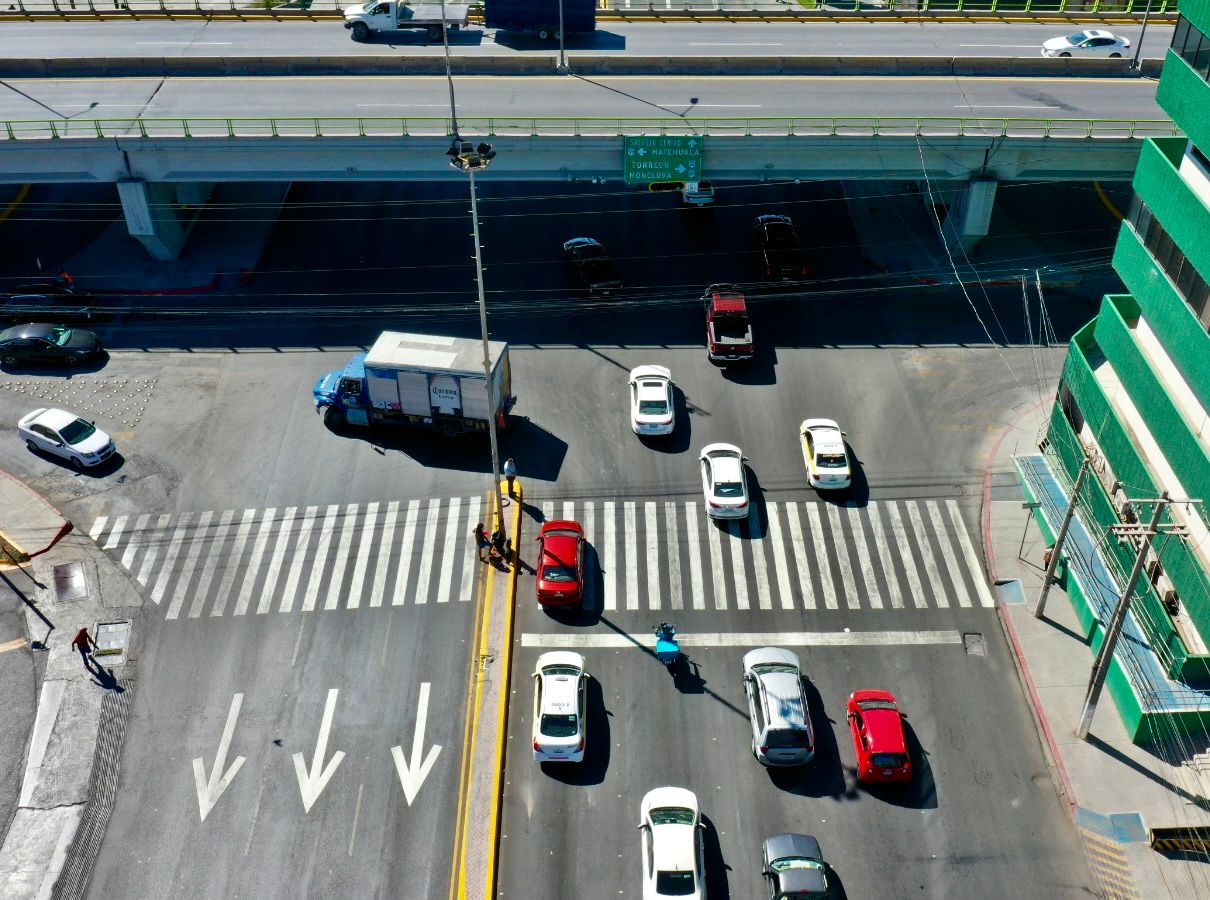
(1035, 702)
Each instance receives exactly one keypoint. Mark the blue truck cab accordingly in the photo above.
(341, 396)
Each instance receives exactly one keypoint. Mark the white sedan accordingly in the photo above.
(560, 683)
(673, 855)
(724, 481)
(651, 407)
(1093, 42)
(67, 436)
(824, 454)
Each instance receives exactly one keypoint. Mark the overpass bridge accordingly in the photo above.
(165, 167)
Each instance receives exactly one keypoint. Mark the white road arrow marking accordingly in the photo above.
(210, 789)
(412, 775)
(311, 784)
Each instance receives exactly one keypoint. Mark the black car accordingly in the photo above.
(592, 265)
(45, 300)
(776, 240)
(43, 342)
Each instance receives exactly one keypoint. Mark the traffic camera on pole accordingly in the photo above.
(465, 156)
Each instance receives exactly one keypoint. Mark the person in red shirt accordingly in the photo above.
(84, 642)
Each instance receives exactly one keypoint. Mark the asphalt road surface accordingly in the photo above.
(329, 38)
(281, 562)
(558, 96)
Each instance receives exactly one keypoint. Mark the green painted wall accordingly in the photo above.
(1183, 337)
(1182, 213)
(1186, 98)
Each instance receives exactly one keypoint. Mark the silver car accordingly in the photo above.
(781, 722)
(66, 436)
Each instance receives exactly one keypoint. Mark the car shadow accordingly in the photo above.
(58, 370)
(100, 470)
(857, 494)
(717, 885)
(921, 791)
(756, 525)
(824, 775)
(597, 746)
(762, 367)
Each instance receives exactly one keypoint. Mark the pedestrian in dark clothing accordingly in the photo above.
(85, 644)
(510, 474)
(498, 544)
(481, 541)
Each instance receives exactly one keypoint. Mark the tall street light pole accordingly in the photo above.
(1138, 48)
(562, 70)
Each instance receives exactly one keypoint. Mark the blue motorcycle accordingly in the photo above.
(667, 647)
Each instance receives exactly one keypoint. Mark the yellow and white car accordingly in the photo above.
(825, 455)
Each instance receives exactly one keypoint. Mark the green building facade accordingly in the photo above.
(1134, 399)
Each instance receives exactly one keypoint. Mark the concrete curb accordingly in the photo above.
(31, 524)
(902, 66)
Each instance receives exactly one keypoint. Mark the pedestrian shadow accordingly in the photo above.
(105, 678)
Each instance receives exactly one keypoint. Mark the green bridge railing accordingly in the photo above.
(429, 126)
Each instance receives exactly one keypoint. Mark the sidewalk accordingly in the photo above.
(72, 745)
(1115, 788)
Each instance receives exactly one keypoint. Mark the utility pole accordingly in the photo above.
(1100, 668)
(562, 69)
(1138, 48)
(1053, 563)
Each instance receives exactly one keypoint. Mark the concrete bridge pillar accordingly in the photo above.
(970, 216)
(161, 214)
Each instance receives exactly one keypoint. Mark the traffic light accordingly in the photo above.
(465, 155)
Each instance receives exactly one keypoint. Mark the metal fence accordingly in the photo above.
(429, 126)
(605, 7)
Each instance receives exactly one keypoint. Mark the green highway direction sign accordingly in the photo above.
(649, 158)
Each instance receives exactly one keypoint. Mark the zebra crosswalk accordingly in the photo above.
(895, 555)
(651, 555)
(339, 556)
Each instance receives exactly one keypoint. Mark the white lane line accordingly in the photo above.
(364, 546)
(174, 548)
(987, 106)
(426, 551)
(405, 105)
(672, 538)
(886, 555)
(632, 568)
(548, 511)
(116, 535)
(716, 564)
(692, 518)
(652, 540)
(212, 557)
(701, 44)
(136, 537)
(864, 559)
(609, 536)
(760, 562)
(569, 511)
(800, 556)
(320, 557)
(184, 43)
(581, 641)
(926, 550)
(191, 556)
(739, 565)
(1008, 46)
(284, 535)
(950, 559)
(152, 551)
(466, 589)
(780, 568)
(842, 559)
(828, 583)
(97, 527)
(378, 588)
(405, 553)
(972, 560)
(258, 552)
(445, 577)
(587, 522)
(344, 544)
(899, 533)
(300, 558)
(231, 563)
(715, 105)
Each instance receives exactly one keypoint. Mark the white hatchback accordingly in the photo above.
(651, 405)
(824, 454)
(559, 726)
(674, 859)
(66, 436)
(724, 481)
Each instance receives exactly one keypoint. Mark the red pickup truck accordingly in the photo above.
(728, 331)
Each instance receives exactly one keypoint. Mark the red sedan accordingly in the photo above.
(560, 563)
(877, 728)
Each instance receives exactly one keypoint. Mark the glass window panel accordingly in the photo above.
(1179, 36)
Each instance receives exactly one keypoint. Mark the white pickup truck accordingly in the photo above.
(395, 15)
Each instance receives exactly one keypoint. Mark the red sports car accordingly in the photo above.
(877, 728)
(560, 563)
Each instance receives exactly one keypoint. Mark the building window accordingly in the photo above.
(1192, 46)
(1189, 283)
(1071, 409)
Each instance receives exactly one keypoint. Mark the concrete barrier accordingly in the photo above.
(992, 66)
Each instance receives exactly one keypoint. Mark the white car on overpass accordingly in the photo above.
(1091, 43)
